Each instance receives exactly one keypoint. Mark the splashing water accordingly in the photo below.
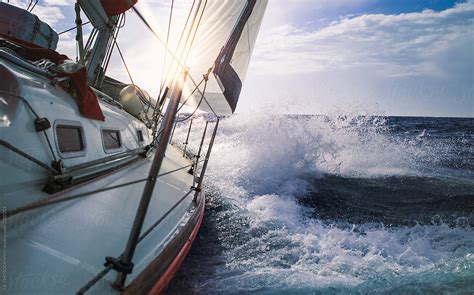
(336, 204)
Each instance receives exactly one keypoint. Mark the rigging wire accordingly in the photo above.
(53, 200)
(177, 47)
(195, 32)
(32, 5)
(190, 95)
(91, 39)
(70, 29)
(109, 267)
(186, 41)
(158, 100)
(188, 47)
(37, 117)
(155, 115)
(142, 18)
(186, 58)
(123, 61)
(205, 79)
(27, 156)
(167, 49)
(162, 82)
(120, 24)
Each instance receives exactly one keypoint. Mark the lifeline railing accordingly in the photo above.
(123, 264)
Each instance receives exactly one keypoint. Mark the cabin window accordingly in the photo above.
(140, 135)
(111, 139)
(69, 138)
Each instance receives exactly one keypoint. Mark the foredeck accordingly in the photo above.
(59, 248)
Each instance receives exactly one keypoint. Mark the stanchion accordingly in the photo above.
(123, 264)
(204, 166)
(187, 137)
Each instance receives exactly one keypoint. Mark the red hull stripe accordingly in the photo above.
(174, 266)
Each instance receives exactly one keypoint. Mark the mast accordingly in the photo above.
(106, 27)
(98, 52)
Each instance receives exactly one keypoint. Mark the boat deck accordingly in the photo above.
(59, 248)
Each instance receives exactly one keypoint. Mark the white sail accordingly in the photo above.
(231, 26)
(218, 40)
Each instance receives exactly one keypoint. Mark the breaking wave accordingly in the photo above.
(342, 203)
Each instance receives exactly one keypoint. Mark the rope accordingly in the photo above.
(70, 29)
(169, 68)
(108, 268)
(156, 35)
(27, 156)
(154, 225)
(162, 82)
(123, 61)
(199, 104)
(37, 117)
(186, 43)
(30, 7)
(51, 201)
(119, 24)
(161, 41)
(94, 280)
(190, 95)
(47, 202)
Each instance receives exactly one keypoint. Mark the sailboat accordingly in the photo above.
(95, 196)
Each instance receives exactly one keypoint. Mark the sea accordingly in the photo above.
(342, 204)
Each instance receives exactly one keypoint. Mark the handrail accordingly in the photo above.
(106, 159)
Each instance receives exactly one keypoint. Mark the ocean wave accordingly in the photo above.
(304, 203)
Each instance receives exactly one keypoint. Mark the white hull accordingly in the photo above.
(59, 247)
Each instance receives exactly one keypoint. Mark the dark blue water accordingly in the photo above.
(312, 204)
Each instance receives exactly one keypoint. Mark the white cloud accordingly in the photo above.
(421, 43)
(49, 11)
(59, 2)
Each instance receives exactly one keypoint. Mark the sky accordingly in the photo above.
(404, 57)
(391, 57)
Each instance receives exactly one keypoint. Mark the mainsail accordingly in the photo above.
(219, 42)
(223, 45)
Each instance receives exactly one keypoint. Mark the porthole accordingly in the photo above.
(140, 135)
(70, 140)
(111, 140)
